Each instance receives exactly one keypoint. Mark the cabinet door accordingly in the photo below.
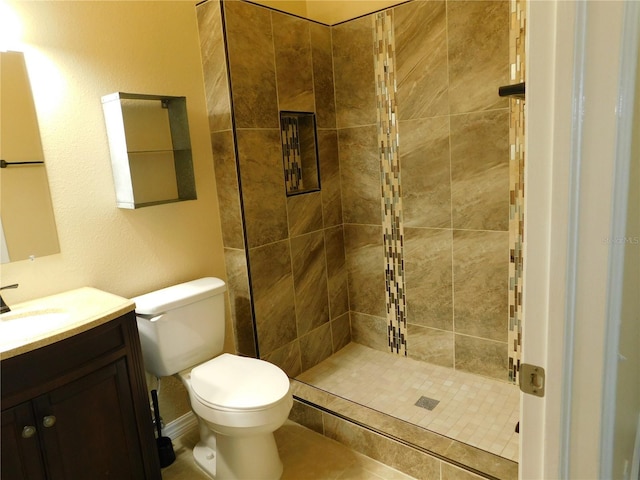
(88, 428)
(21, 459)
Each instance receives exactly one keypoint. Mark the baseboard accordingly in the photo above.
(180, 425)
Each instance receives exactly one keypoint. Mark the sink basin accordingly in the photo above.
(19, 326)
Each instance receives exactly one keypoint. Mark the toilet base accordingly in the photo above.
(240, 458)
(205, 458)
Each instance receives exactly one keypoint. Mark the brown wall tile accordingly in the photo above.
(336, 271)
(480, 170)
(481, 276)
(224, 160)
(353, 73)
(360, 175)
(315, 346)
(265, 207)
(214, 66)
(428, 278)
(426, 172)
(330, 177)
(482, 357)
(239, 298)
(273, 295)
(287, 358)
(294, 71)
(310, 281)
(252, 65)
(364, 254)
(370, 331)
(323, 75)
(478, 54)
(340, 332)
(304, 213)
(421, 59)
(431, 345)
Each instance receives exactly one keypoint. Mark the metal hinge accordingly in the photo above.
(532, 379)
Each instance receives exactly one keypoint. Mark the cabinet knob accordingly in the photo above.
(28, 431)
(49, 421)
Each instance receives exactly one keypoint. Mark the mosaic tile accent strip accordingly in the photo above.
(517, 31)
(392, 224)
(290, 131)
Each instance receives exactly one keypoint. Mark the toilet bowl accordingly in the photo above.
(239, 401)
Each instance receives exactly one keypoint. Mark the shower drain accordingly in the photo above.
(426, 402)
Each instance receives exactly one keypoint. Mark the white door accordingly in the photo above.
(575, 107)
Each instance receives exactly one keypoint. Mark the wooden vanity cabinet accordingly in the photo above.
(78, 409)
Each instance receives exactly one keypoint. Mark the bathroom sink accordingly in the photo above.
(19, 326)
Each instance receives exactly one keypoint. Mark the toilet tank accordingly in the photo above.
(182, 325)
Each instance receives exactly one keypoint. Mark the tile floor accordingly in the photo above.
(306, 455)
(472, 409)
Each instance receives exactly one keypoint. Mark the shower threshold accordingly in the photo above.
(457, 416)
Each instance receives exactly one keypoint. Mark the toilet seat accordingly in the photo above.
(233, 383)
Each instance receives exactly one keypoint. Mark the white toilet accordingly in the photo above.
(239, 401)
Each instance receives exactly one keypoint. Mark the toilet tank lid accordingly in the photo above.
(176, 296)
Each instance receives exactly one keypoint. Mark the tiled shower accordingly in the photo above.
(412, 244)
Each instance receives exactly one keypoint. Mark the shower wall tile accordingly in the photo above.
(330, 177)
(426, 172)
(478, 54)
(294, 71)
(265, 207)
(310, 281)
(315, 346)
(360, 175)
(354, 73)
(304, 213)
(482, 357)
(252, 65)
(214, 66)
(428, 278)
(431, 345)
(480, 170)
(323, 75)
(481, 274)
(287, 358)
(370, 331)
(224, 161)
(421, 59)
(340, 332)
(239, 297)
(273, 294)
(364, 254)
(336, 271)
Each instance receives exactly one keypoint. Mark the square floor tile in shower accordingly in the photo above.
(479, 411)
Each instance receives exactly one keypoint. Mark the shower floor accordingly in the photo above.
(478, 411)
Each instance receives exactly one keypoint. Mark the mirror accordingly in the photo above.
(27, 224)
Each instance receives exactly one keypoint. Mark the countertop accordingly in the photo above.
(75, 311)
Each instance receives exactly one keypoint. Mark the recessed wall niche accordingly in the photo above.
(299, 152)
(150, 149)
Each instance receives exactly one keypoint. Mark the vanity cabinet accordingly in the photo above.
(78, 409)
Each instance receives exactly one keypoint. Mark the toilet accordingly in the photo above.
(239, 401)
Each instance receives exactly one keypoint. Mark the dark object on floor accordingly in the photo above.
(165, 448)
(518, 427)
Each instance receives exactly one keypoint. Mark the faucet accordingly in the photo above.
(4, 308)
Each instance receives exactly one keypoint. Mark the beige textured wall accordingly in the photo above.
(329, 12)
(77, 52)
